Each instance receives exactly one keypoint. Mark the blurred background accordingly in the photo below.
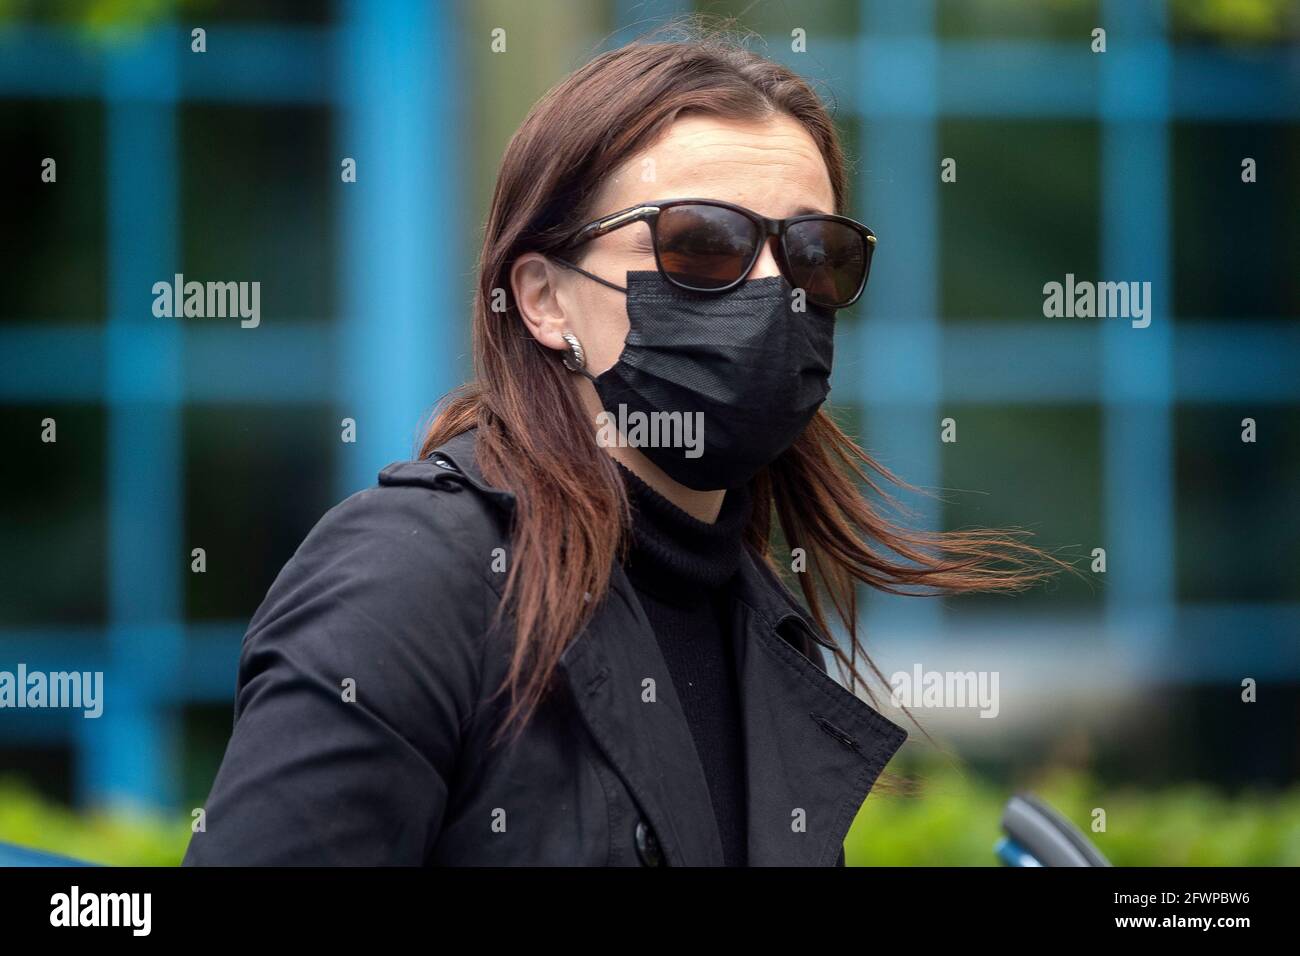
(1121, 691)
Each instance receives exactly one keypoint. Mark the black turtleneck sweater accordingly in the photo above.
(681, 569)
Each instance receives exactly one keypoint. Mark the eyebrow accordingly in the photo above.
(810, 211)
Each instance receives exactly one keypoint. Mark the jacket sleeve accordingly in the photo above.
(357, 675)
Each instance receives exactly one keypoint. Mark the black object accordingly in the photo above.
(1035, 829)
(720, 385)
(394, 592)
(680, 567)
(707, 245)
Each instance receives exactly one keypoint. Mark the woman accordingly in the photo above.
(558, 637)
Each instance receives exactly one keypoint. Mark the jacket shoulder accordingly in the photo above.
(426, 513)
(401, 570)
(359, 677)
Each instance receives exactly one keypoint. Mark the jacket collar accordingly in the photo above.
(813, 749)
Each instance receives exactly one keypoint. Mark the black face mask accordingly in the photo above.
(743, 371)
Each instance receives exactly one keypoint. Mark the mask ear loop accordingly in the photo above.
(569, 265)
(575, 360)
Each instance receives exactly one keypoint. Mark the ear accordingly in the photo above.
(533, 279)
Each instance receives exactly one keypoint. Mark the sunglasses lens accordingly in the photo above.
(704, 247)
(827, 259)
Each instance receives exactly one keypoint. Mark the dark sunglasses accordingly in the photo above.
(707, 245)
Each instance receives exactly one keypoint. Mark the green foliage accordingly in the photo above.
(112, 839)
(107, 16)
(955, 821)
(1235, 21)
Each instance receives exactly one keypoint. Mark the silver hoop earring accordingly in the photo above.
(575, 360)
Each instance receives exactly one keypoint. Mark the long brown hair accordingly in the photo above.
(535, 439)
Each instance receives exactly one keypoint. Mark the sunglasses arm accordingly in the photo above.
(610, 223)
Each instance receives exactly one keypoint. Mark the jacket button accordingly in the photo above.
(647, 845)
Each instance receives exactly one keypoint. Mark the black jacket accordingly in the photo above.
(391, 595)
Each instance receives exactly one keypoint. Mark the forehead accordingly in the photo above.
(772, 166)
